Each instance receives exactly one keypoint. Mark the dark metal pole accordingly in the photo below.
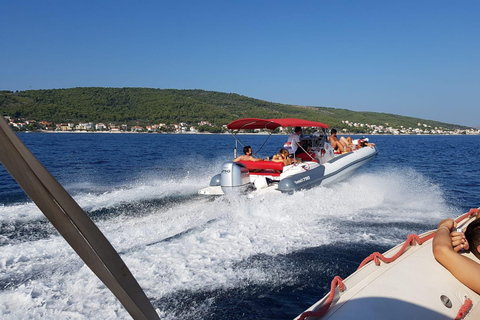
(73, 224)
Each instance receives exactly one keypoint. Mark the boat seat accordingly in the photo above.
(260, 166)
(306, 156)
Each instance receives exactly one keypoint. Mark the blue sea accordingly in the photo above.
(268, 257)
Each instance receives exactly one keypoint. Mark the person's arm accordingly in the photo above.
(464, 269)
(240, 158)
(252, 158)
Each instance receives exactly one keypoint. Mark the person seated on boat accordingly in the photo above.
(333, 139)
(283, 156)
(247, 156)
(345, 144)
(446, 245)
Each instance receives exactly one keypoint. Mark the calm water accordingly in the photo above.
(203, 258)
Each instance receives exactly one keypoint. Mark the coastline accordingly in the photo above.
(227, 133)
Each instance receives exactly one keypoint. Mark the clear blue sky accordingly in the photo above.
(414, 58)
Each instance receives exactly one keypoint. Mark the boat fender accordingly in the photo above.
(260, 183)
(288, 146)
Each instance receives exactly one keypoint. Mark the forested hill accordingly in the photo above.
(148, 106)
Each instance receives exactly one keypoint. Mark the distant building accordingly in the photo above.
(66, 126)
(100, 126)
(46, 125)
(136, 129)
(18, 125)
(82, 126)
(114, 127)
(205, 123)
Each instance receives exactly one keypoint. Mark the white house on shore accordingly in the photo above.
(100, 126)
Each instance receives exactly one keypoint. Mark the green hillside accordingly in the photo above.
(147, 106)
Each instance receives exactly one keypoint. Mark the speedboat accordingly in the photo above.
(406, 282)
(320, 164)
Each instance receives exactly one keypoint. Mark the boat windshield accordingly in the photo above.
(315, 140)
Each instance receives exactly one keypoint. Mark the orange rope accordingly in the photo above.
(337, 281)
(411, 239)
(377, 256)
(464, 309)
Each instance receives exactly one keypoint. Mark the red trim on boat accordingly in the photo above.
(265, 173)
(263, 165)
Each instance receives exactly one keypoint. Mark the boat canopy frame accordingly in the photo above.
(269, 125)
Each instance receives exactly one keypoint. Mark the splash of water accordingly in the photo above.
(193, 244)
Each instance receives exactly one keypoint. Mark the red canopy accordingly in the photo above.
(255, 123)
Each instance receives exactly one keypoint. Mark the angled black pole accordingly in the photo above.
(73, 224)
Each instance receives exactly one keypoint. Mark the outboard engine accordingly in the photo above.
(215, 181)
(235, 178)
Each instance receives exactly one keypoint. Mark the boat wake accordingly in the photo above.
(205, 252)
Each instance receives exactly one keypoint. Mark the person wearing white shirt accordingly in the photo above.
(294, 140)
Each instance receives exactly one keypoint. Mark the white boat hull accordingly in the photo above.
(414, 286)
(305, 175)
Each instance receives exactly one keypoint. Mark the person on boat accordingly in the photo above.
(335, 142)
(360, 144)
(283, 156)
(294, 140)
(247, 155)
(346, 141)
(447, 244)
(346, 144)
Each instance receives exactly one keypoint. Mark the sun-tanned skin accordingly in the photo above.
(247, 156)
(446, 245)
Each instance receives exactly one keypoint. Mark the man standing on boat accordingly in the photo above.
(293, 141)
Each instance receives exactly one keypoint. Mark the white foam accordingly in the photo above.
(22, 212)
(202, 245)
